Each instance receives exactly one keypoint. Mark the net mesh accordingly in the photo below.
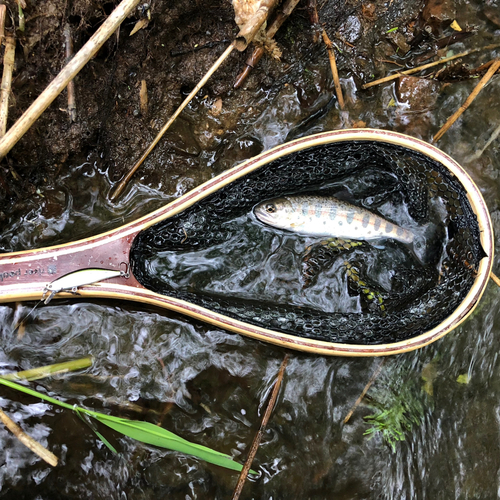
(419, 299)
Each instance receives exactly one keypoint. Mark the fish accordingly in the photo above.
(324, 216)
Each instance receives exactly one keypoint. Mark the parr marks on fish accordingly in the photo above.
(328, 216)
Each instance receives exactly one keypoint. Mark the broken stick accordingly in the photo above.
(495, 278)
(455, 116)
(365, 390)
(425, 66)
(67, 73)
(68, 42)
(28, 441)
(333, 66)
(258, 437)
(8, 66)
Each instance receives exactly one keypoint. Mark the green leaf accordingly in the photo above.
(158, 436)
(141, 431)
(463, 379)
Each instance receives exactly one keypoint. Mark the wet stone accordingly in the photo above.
(419, 93)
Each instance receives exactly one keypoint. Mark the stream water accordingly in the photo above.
(210, 386)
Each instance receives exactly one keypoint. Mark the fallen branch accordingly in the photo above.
(28, 441)
(258, 437)
(258, 52)
(453, 118)
(67, 73)
(365, 390)
(425, 66)
(68, 42)
(8, 66)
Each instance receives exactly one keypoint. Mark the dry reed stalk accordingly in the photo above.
(258, 437)
(123, 183)
(425, 66)
(365, 390)
(333, 65)
(253, 25)
(66, 74)
(28, 441)
(8, 67)
(455, 116)
(258, 52)
(143, 96)
(495, 278)
(68, 42)
(3, 11)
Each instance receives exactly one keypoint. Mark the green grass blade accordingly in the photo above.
(86, 419)
(157, 436)
(141, 431)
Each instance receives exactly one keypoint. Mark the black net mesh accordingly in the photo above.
(420, 297)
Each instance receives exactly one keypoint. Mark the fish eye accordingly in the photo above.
(270, 208)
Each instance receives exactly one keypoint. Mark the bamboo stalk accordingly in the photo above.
(455, 116)
(68, 42)
(8, 67)
(67, 73)
(258, 437)
(333, 65)
(28, 441)
(3, 11)
(495, 278)
(258, 52)
(425, 66)
(123, 183)
(365, 390)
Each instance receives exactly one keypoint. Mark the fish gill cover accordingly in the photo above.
(218, 255)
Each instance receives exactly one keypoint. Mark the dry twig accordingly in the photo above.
(28, 441)
(333, 65)
(453, 118)
(143, 96)
(258, 437)
(68, 42)
(365, 390)
(8, 66)
(425, 66)
(123, 183)
(67, 73)
(495, 278)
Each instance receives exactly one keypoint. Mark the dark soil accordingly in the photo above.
(179, 44)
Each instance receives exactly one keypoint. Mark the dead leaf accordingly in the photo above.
(142, 23)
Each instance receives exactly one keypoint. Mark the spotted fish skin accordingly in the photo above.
(328, 216)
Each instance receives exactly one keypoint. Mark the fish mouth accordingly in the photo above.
(262, 215)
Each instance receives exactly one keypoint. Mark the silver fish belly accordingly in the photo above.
(328, 217)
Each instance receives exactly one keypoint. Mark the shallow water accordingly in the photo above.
(211, 387)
